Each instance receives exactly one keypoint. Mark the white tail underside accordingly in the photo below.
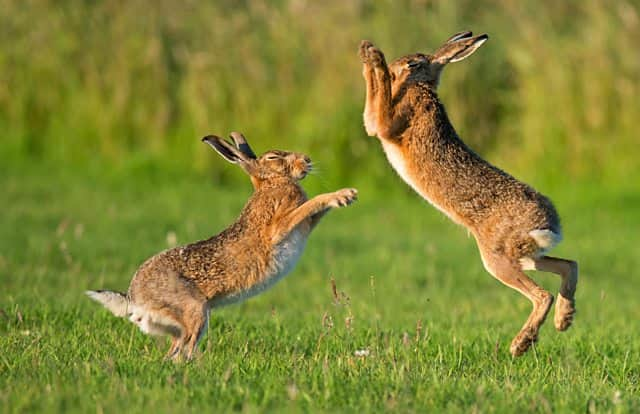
(546, 239)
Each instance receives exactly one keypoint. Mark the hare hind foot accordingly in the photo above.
(174, 350)
(529, 333)
(523, 341)
(565, 309)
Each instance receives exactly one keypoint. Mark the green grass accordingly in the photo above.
(412, 292)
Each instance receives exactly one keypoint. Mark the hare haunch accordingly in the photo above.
(173, 291)
(514, 226)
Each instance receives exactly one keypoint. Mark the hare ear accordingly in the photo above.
(225, 149)
(241, 144)
(458, 47)
(461, 35)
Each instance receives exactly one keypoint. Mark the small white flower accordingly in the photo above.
(617, 397)
(292, 391)
(361, 353)
(172, 239)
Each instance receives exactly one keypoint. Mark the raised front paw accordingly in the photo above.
(364, 50)
(371, 54)
(344, 197)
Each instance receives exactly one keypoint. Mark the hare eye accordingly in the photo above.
(413, 64)
(271, 157)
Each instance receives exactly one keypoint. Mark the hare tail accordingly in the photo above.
(116, 302)
(545, 239)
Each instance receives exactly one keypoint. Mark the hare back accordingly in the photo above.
(469, 190)
(235, 264)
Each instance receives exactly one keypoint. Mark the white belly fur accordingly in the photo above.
(286, 255)
(397, 161)
(152, 323)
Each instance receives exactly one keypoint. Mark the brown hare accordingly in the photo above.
(173, 291)
(514, 226)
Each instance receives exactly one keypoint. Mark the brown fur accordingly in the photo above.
(173, 291)
(512, 223)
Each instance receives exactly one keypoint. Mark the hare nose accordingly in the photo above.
(307, 159)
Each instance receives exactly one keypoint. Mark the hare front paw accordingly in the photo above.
(371, 54)
(344, 197)
(364, 50)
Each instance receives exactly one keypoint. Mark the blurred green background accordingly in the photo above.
(552, 97)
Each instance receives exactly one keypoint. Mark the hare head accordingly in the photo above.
(419, 67)
(271, 166)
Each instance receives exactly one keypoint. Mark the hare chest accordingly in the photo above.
(398, 162)
(284, 257)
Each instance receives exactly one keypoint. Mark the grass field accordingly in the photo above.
(411, 291)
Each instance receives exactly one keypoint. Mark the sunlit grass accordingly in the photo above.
(410, 294)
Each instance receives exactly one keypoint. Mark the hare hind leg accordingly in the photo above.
(510, 273)
(568, 271)
(186, 344)
(198, 322)
(174, 348)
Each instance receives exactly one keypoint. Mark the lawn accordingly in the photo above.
(415, 323)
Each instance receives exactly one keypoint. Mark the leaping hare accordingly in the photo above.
(514, 226)
(173, 291)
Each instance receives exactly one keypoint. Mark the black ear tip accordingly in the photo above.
(483, 37)
(208, 138)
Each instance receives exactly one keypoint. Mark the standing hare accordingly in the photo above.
(514, 226)
(173, 291)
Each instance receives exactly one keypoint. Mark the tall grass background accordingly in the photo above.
(552, 96)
